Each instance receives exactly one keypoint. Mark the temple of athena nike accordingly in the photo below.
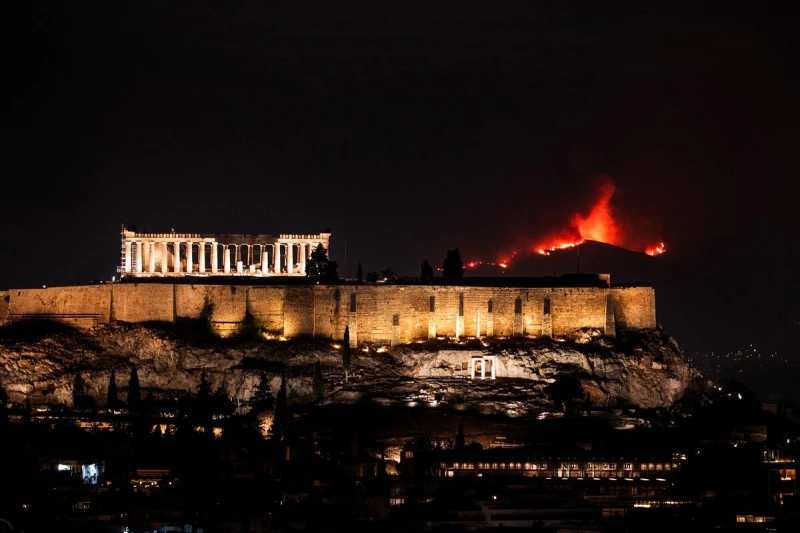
(199, 254)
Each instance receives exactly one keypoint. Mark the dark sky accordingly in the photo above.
(410, 128)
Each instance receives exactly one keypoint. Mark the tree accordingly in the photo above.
(262, 396)
(460, 437)
(360, 274)
(452, 267)
(317, 383)
(221, 403)
(372, 277)
(321, 268)
(134, 391)
(564, 389)
(113, 399)
(426, 272)
(78, 388)
(3, 400)
(204, 395)
(388, 275)
(346, 352)
(282, 420)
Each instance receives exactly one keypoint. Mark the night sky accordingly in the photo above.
(410, 128)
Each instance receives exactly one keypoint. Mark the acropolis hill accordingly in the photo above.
(528, 329)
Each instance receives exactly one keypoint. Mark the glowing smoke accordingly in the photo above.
(599, 224)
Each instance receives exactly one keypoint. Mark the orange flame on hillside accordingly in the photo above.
(598, 225)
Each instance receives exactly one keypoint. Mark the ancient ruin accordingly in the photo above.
(200, 254)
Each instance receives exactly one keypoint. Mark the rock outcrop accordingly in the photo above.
(643, 368)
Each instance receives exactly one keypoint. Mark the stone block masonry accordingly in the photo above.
(374, 313)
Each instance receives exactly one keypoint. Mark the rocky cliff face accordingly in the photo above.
(644, 368)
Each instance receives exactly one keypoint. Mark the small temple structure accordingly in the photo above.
(199, 254)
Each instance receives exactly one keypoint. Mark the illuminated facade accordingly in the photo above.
(199, 254)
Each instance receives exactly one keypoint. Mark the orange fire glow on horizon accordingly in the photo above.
(598, 224)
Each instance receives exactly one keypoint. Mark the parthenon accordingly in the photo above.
(199, 254)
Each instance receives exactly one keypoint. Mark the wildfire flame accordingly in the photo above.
(598, 224)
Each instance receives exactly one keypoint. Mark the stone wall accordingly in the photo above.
(4, 298)
(374, 313)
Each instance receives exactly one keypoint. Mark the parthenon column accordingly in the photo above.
(214, 258)
(289, 258)
(127, 256)
(277, 257)
(189, 257)
(303, 258)
(139, 256)
(176, 264)
(152, 266)
(164, 257)
(201, 256)
(227, 259)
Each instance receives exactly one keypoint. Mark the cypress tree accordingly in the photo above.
(452, 267)
(346, 352)
(280, 420)
(262, 396)
(113, 399)
(78, 388)
(360, 274)
(426, 272)
(134, 391)
(460, 437)
(3, 396)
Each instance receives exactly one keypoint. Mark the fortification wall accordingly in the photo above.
(4, 298)
(635, 307)
(374, 313)
(143, 302)
(80, 305)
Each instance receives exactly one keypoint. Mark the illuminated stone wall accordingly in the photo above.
(4, 298)
(374, 313)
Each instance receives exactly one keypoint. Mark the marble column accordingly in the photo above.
(277, 257)
(227, 259)
(164, 257)
(214, 258)
(152, 266)
(290, 258)
(139, 256)
(176, 265)
(201, 257)
(127, 256)
(189, 258)
(303, 258)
